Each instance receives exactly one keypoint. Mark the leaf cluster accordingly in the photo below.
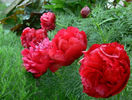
(25, 14)
(71, 6)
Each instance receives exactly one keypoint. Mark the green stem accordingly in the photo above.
(101, 33)
(61, 25)
(110, 19)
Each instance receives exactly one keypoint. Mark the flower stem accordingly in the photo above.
(61, 25)
(101, 33)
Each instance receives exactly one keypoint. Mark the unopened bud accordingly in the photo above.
(85, 11)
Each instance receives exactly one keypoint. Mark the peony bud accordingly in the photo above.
(48, 21)
(85, 11)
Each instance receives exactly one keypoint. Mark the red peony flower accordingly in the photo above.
(48, 21)
(85, 12)
(36, 59)
(32, 36)
(67, 46)
(105, 70)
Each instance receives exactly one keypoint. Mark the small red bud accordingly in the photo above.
(85, 11)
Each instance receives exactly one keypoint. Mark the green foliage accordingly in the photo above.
(102, 26)
(14, 83)
(71, 6)
(25, 14)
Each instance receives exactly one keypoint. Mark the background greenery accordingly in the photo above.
(102, 26)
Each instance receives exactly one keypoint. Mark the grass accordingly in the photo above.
(14, 84)
(101, 26)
